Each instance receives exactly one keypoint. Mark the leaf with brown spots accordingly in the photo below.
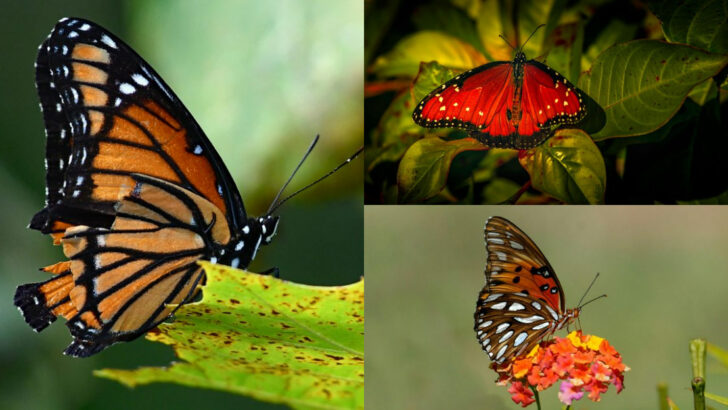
(263, 337)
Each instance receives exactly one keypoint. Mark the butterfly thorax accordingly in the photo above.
(243, 246)
(514, 115)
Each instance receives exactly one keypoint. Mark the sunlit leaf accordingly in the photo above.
(642, 84)
(425, 166)
(405, 58)
(263, 337)
(568, 166)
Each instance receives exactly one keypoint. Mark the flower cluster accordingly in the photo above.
(586, 364)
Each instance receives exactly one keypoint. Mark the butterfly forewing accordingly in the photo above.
(522, 300)
(108, 115)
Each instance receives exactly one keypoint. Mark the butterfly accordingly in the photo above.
(135, 194)
(504, 104)
(522, 301)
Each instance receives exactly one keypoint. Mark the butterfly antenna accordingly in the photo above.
(504, 39)
(587, 290)
(534, 32)
(592, 300)
(275, 205)
(280, 192)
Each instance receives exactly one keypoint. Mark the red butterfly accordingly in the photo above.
(522, 301)
(505, 104)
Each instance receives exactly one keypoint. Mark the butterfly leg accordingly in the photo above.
(274, 271)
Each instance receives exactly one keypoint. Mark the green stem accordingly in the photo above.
(662, 396)
(535, 394)
(697, 354)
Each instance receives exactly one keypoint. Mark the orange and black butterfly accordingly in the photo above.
(136, 194)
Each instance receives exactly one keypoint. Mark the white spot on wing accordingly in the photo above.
(499, 306)
(127, 88)
(520, 338)
(529, 319)
(140, 79)
(506, 336)
(108, 41)
(515, 306)
(540, 326)
(502, 327)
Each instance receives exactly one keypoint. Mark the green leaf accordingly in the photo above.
(396, 121)
(565, 54)
(494, 19)
(615, 32)
(719, 399)
(642, 84)
(404, 60)
(263, 337)
(531, 14)
(431, 76)
(448, 20)
(699, 23)
(499, 190)
(568, 166)
(424, 168)
(703, 92)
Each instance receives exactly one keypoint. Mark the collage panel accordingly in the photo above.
(184, 276)
(532, 102)
(662, 269)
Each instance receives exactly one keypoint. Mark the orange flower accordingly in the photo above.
(584, 363)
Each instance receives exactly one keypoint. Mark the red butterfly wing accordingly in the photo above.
(476, 100)
(548, 100)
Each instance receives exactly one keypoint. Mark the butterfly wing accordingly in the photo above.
(108, 115)
(132, 276)
(517, 265)
(135, 192)
(478, 100)
(548, 101)
(522, 300)
(509, 324)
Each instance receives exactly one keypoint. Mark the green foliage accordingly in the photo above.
(263, 337)
(637, 91)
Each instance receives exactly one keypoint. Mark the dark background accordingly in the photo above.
(262, 79)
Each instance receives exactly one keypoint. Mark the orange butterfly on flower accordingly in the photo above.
(520, 307)
(135, 193)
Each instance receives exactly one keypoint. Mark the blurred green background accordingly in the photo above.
(663, 269)
(262, 78)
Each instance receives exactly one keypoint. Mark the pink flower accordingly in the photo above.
(569, 393)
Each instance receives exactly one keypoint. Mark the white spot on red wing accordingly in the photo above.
(442, 108)
(565, 103)
(536, 305)
(439, 99)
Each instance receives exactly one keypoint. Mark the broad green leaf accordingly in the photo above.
(716, 398)
(396, 121)
(492, 161)
(431, 75)
(499, 190)
(615, 32)
(494, 20)
(404, 60)
(263, 337)
(531, 14)
(642, 84)
(390, 152)
(424, 168)
(448, 20)
(699, 23)
(568, 166)
(703, 92)
(565, 55)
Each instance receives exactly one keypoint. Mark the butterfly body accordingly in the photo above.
(522, 301)
(135, 193)
(504, 104)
